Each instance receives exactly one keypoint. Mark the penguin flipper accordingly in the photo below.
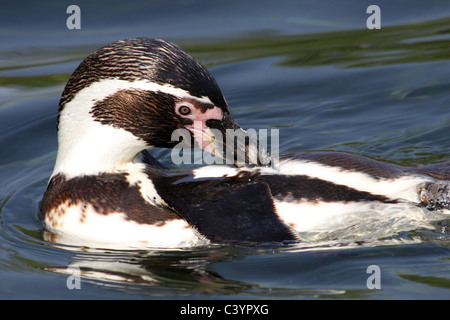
(232, 212)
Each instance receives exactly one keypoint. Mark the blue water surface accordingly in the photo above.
(311, 69)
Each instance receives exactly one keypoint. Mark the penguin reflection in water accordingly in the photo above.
(106, 189)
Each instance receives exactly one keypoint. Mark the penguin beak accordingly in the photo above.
(226, 139)
(241, 147)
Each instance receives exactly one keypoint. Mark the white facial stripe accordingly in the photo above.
(101, 89)
(89, 147)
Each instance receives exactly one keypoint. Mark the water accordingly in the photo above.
(309, 68)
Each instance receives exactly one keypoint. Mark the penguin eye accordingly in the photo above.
(184, 110)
